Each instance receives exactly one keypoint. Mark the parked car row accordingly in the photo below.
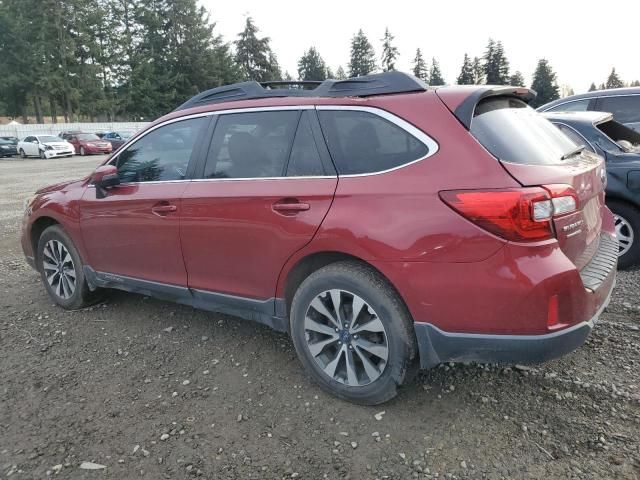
(385, 225)
(64, 145)
(610, 135)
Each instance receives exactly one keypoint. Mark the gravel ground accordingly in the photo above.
(148, 389)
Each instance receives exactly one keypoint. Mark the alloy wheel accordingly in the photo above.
(624, 233)
(59, 269)
(346, 338)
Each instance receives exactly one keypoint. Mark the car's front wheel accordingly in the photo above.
(42, 155)
(353, 333)
(61, 270)
(82, 151)
(22, 154)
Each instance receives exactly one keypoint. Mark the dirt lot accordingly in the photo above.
(155, 390)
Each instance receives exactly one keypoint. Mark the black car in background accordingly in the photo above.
(624, 103)
(620, 146)
(8, 146)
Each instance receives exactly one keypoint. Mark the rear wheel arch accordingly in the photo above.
(317, 260)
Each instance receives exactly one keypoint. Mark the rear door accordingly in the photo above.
(535, 153)
(265, 187)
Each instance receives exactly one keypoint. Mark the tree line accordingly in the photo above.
(138, 59)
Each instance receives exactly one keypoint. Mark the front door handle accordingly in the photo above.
(163, 209)
(290, 206)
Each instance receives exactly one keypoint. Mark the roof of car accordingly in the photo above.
(611, 92)
(579, 117)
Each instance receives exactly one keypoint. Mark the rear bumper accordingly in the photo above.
(437, 346)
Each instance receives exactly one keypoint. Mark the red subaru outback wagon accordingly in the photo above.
(384, 224)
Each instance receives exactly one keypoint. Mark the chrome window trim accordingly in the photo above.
(418, 134)
(577, 133)
(426, 140)
(553, 107)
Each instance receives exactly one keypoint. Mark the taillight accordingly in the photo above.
(517, 214)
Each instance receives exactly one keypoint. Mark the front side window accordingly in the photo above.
(574, 106)
(625, 108)
(161, 155)
(362, 142)
(251, 144)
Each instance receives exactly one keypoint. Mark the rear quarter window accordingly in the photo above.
(363, 142)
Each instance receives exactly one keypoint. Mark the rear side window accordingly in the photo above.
(305, 159)
(625, 108)
(362, 142)
(514, 132)
(251, 145)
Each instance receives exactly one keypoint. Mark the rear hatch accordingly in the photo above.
(536, 153)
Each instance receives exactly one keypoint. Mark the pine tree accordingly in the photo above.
(614, 80)
(340, 75)
(602, 87)
(466, 76)
(311, 66)
(496, 65)
(635, 83)
(478, 71)
(420, 68)
(544, 83)
(516, 80)
(435, 76)
(362, 56)
(254, 55)
(592, 87)
(389, 52)
(330, 73)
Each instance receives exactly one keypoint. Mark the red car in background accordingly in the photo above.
(383, 223)
(88, 143)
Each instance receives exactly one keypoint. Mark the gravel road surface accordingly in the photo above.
(140, 388)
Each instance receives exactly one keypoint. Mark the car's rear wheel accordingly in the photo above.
(627, 222)
(61, 270)
(353, 333)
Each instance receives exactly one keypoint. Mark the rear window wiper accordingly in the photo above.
(579, 149)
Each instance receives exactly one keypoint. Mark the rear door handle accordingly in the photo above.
(290, 207)
(163, 209)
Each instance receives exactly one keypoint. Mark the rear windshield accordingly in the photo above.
(514, 132)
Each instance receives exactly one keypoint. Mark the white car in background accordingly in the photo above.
(44, 146)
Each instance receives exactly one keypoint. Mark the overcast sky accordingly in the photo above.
(581, 43)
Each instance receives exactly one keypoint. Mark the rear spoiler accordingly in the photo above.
(464, 109)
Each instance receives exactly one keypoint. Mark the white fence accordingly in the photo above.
(22, 131)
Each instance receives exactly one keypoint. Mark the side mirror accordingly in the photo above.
(105, 176)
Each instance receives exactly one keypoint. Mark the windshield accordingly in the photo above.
(514, 132)
(87, 136)
(49, 138)
(4, 141)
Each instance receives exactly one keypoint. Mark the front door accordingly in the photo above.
(265, 189)
(134, 230)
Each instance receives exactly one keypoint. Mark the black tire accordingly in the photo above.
(22, 154)
(82, 295)
(361, 280)
(42, 156)
(631, 215)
